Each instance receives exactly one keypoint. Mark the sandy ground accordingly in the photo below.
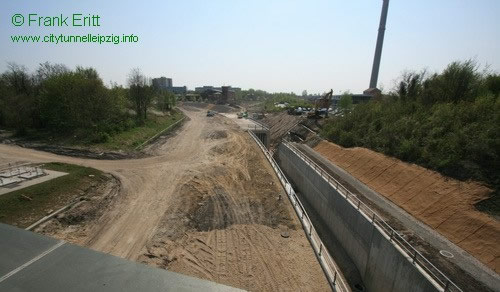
(206, 205)
(445, 204)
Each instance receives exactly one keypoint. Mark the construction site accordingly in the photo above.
(211, 202)
(153, 187)
(207, 204)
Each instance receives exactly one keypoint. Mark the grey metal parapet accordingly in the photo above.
(33, 262)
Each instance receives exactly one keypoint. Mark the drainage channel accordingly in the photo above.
(424, 266)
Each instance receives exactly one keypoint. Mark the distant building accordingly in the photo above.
(178, 89)
(203, 89)
(374, 92)
(219, 95)
(356, 98)
(207, 87)
(164, 83)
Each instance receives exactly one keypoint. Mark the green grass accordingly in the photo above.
(131, 138)
(50, 195)
(125, 138)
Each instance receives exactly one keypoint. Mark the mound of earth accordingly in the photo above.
(225, 222)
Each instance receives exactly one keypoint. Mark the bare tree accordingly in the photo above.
(139, 92)
(47, 70)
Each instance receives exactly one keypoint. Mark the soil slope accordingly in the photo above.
(445, 204)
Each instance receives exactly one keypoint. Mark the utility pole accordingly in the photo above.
(380, 42)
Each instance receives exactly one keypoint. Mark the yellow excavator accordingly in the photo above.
(321, 106)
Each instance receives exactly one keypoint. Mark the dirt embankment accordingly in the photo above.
(225, 221)
(75, 151)
(445, 204)
(76, 225)
(280, 124)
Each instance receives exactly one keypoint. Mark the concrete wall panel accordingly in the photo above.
(382, 266)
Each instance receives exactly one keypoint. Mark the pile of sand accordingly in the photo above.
(445, 204)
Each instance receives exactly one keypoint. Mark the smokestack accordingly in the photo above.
(380, 42)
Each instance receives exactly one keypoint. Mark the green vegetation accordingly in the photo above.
(290, 98)
(76, 105)
(448, 122)
(268, 100)
(345, 102)
(133, 137)
(26, 206)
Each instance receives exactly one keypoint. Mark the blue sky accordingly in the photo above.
(275, 45)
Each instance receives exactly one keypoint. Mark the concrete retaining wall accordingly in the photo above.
(383, 267)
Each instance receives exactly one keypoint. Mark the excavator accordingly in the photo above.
(321, 106)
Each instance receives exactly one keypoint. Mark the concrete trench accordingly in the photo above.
(381, 265)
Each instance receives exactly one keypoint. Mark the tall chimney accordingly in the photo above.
(380, 42)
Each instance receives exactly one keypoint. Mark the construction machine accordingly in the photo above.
(321, 106)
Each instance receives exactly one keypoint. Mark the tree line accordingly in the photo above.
(447, 121)
(61, 101)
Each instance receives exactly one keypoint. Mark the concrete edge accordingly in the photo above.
(461, 258)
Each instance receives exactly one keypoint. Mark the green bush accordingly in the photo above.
(431, 123)
(100, 137)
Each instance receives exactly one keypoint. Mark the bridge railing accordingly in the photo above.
(335, 279)
(256, 127)
(397, 239)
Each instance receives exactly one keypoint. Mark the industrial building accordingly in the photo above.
(219, 95)
(356, 98)
(208, 87)
(164, 83)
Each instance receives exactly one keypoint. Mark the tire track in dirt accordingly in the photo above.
(233, 223)
(205, 206)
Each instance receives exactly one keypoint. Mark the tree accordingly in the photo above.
(493, 84)
(458, 82)
(18, 98)
(410, 86)
(304, 93)
(77, 100)
(47, 70)
(140, 93)
(165, 100)
(345, 102)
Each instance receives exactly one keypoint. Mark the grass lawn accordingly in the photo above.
(130, 139)
(50, 195)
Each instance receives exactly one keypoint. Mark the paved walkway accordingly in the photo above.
(51, 174)
(32, 262)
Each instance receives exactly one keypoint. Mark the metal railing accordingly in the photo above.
(330, 268)
(408, 250)
(258, 123)
(256, 127)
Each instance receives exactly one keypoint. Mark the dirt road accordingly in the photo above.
(207, 204)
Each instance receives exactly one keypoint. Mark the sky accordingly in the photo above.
(274, 45)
